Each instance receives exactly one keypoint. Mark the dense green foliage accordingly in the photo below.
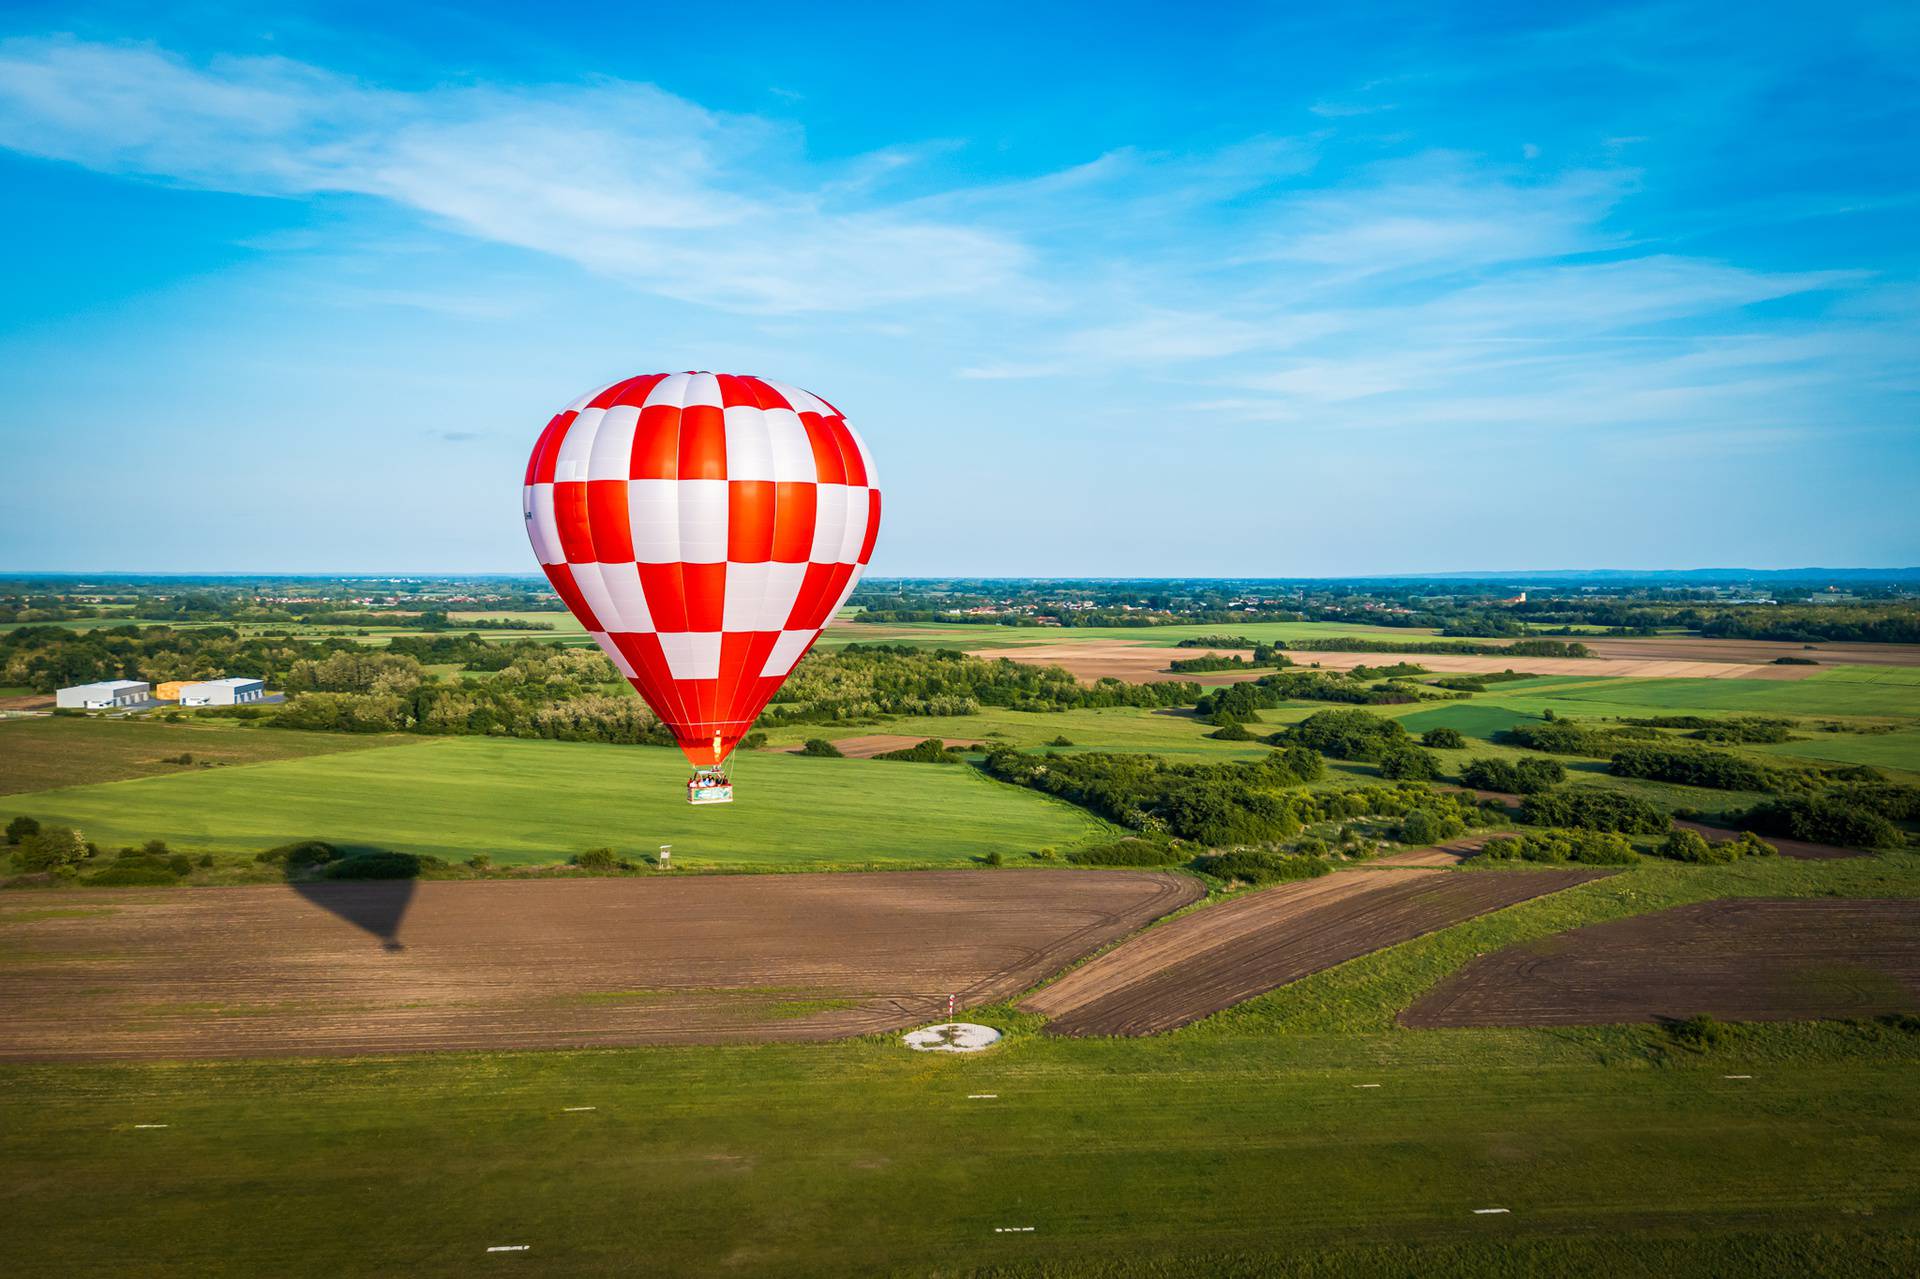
(1446, 739)
(1348, 735)
(1254, 867)
(931, 751)
(1691, 767)
(866, 680)
(1568, 737)
(1690, 846)
(1822, 820)
(1588, 847)
(1593, 809)
(1520, 777)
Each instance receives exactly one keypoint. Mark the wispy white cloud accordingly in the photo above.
(622, 178)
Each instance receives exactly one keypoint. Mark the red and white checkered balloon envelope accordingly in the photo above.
(703, 527)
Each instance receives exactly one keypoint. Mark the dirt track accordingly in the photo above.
(383, 967)
(1215, 958)
(1741, 960)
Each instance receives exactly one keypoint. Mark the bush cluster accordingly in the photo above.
(1592, 809)
(1259, 868)
(1525, 777)
(1587, 847)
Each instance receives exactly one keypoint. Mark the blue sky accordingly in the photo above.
(1110, 290)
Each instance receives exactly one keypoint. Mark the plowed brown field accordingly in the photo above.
(1742, 960)
(382, 967)
(1215, 958)
(1146, 664)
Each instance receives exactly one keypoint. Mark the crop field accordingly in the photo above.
(36, 754)
(525, 802)
(1211, 959)
(1747, 960)
(376, 967)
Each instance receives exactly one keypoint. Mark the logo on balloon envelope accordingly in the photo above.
(703, 527)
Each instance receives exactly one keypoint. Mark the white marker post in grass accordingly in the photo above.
(511, 1247)
(983, 1096)
(576, 1109)
(152, 1125)
(1487, 1212)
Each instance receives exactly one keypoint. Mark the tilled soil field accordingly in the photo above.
(1744, 960)
(339, 969)
(1215, 958)
(1089, 660)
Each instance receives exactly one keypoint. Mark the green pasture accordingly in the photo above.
(1884, 750)
(1121, 728)
(1612, 1152)
(36, 754)
(527, 802)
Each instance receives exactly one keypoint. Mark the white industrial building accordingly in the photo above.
(104, 696)
(222, 692)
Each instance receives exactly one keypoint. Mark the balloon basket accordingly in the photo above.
(709, 786)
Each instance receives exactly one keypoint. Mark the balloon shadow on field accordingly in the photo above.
(368, 888)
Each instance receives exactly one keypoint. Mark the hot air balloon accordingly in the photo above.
(703, 527)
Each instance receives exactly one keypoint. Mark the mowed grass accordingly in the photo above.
(1162, 1157)
(1118, 728)
(36, 754)
(530, 802)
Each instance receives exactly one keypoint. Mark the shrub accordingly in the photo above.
(1144, 851)
(1423, 826)
(1445, 739)
(378, 865)
(1690, 768)
(1690, 846)
(1592, 809)
(1527, 777)
(480, 861)
(134, 872)
(1821, 820)
(1587, 847)
(994, 858)
(302, 854)
(1404, 762)
(180, 864)
(753, 741)
(1260, 868)
(1061, 740)
(822, 747)
(1046, 854)
(20, 828)
(206, 861)
(931, 751)
(51, 849)
(1231, 732)
(1697, 1031)
(1347, 734)
(598, 860)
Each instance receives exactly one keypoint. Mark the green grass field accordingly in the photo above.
(36, 754)
(532, 802)
(1233, 1155)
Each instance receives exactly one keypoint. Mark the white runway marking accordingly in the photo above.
(572, 1109)
(1366, 1085)
(983, 1096)
(152, 1125)
(1481, 1212)
(510, 1247)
